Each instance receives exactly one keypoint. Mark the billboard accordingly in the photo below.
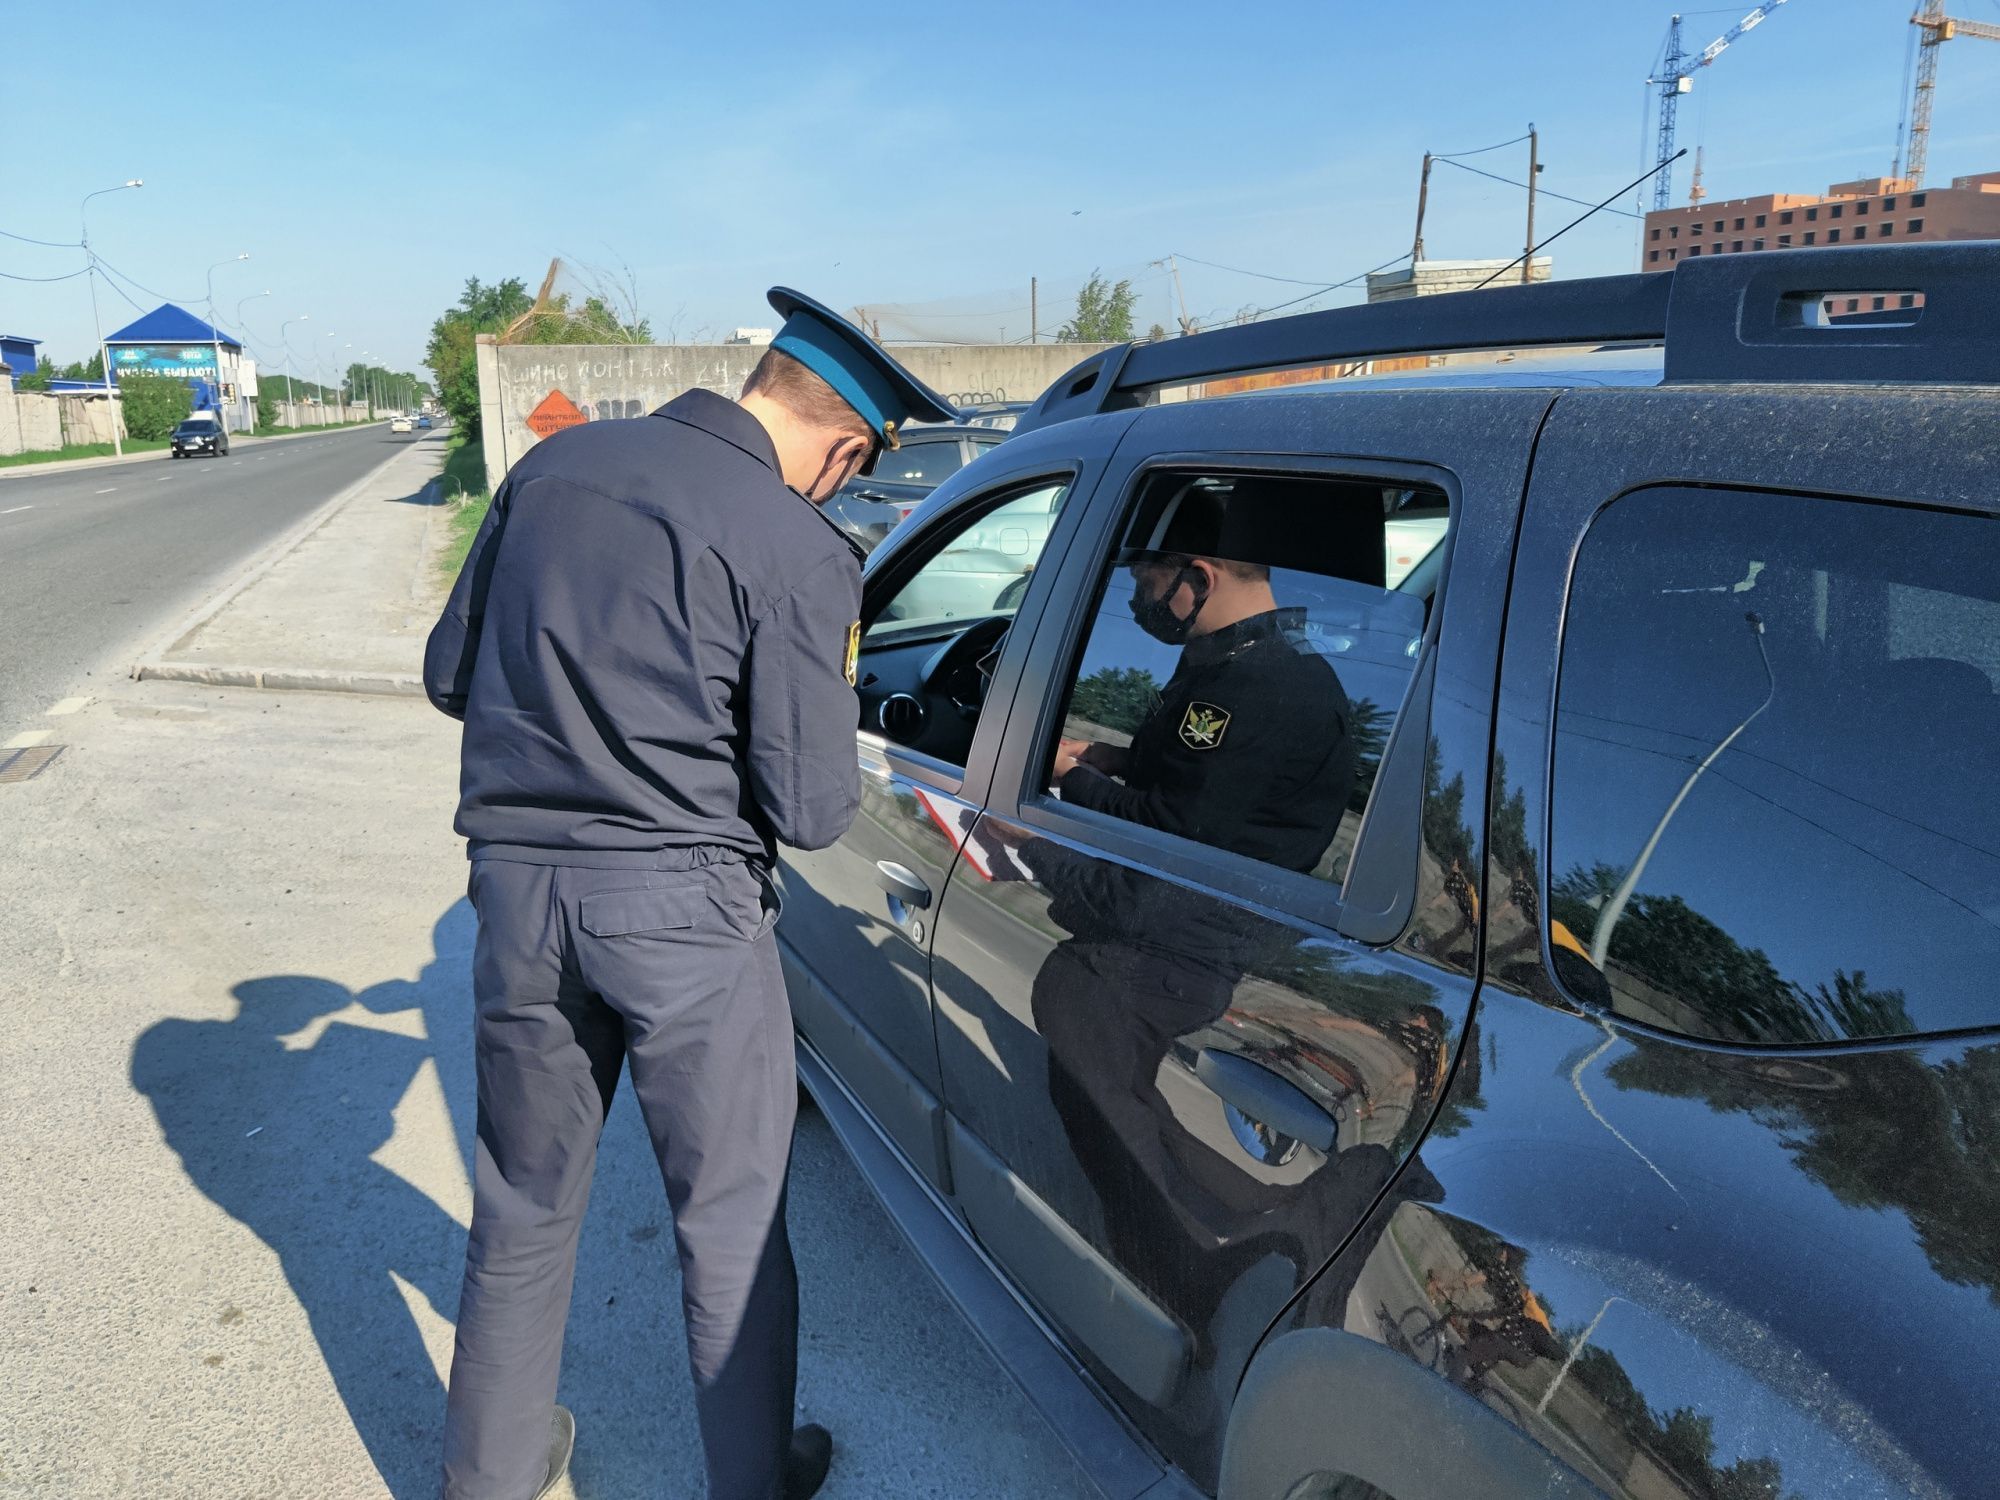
(182, 361)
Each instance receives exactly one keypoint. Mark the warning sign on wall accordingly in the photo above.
(555, 413)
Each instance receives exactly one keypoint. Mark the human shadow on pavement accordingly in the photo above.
(276, 1116)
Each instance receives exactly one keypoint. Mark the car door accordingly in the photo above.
(1181, 1058)
(1733, 1148)
(935, 650)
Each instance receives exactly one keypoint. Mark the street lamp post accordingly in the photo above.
(322, 383)
(340, 380)
(243, 327)
(215, 336)
(90, 267)
(290, 410)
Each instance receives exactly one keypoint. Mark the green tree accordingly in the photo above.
(38, 378)
(1116, 697)
(451, 351)
(267, 405)
(1103, 313)
(154, 404)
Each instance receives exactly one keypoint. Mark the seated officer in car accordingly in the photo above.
(1246, 750)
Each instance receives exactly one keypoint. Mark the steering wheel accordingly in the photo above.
(962, 668)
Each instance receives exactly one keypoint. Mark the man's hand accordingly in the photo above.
(1069, 755)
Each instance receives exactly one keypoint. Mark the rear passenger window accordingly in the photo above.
(918, 463)
(1776, 801)
(1253, 641)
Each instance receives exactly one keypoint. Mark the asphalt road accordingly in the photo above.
(95, 559)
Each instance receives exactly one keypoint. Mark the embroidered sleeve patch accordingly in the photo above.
(1203, 726)
(853, 651)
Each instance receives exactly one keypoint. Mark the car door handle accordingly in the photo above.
(901, 884)
(1267, 1098)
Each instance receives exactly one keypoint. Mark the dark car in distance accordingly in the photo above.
(870, 506)
(201, 433)
(1507, 1006)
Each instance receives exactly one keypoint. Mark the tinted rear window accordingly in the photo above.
(1815, 681)
(920, 463)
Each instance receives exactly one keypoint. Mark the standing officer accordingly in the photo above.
(652, 645)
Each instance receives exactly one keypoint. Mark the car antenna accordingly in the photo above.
(1659, 166)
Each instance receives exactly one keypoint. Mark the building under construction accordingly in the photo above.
(1870, 211)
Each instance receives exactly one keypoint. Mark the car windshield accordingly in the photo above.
(196, 424)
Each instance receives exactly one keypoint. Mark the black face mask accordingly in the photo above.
(1156, 615)
(812, 496)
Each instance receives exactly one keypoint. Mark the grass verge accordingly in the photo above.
(464, 482)
(81, 450)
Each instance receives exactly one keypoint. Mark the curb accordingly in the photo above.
(112, 460)
(151, 663)
(284, 679)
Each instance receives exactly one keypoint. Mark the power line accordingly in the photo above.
(51, 244)
(1479, 151)
(68, 276)
(1335, 286)
(141, 285)
(1540, 191)
(112, 282)
(1239, 271)
(1658, 166)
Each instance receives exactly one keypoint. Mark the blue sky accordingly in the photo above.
(927, 159)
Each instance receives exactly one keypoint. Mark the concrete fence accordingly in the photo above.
(36, 422)
(527, 391)
(305, 414)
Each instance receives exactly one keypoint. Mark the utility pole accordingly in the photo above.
(1534, 166)
(1423, 199)
(1034, 310)
(103, 353)
(1173, 264)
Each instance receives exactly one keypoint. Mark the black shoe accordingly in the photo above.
(807, 1461)
(562, 1439)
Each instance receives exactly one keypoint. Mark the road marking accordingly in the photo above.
(16, 510)
(29, 739)
(163, 479)
(112, 491)
(68, 706)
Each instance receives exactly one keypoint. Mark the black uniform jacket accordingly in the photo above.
(648, 645)
(1248, 748)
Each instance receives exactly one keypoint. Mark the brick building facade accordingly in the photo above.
(1875, 210)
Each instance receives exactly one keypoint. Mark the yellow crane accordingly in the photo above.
(1935, 28)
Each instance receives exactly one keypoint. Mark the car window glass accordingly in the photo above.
(980, 572)
(928, 463)
(1258, 726)
(1776, 800)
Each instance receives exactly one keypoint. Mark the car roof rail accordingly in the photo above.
(1752, 317)
(1758, 318)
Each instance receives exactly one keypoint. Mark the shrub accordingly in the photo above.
(154, 404)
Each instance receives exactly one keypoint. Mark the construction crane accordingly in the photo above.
(1676, 77)
(1935, 28)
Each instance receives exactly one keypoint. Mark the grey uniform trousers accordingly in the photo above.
(575, 972)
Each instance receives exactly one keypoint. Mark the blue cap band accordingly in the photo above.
(820, 347)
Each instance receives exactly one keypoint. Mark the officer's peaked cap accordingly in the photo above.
(882, 392)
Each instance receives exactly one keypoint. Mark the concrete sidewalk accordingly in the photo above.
(346, 609)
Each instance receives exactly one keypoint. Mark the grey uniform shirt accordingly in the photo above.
(649, 647)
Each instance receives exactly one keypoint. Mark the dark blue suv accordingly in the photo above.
(1443, 941)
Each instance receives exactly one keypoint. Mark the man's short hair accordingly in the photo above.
(780, 378)
(1244, 571)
